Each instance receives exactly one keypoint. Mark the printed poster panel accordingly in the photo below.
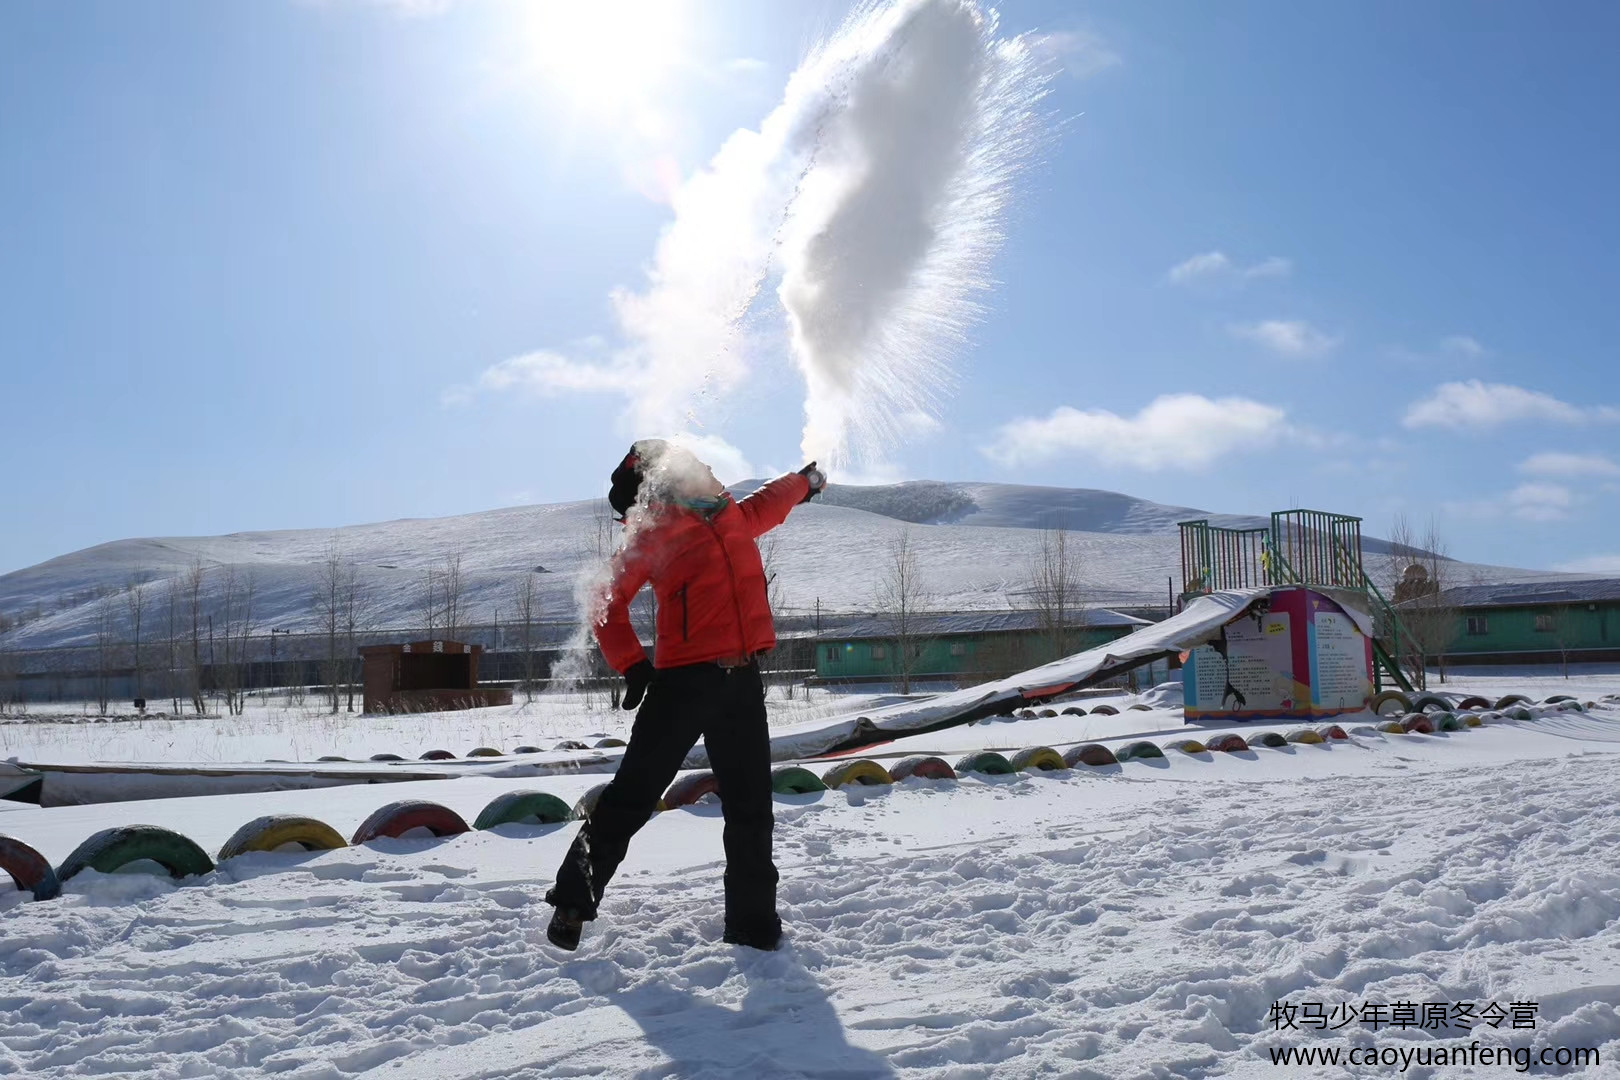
(1256, 674)
(1339, 677)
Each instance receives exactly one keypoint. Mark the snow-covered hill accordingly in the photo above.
(975, 543)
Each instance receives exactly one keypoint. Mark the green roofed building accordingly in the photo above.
(1543, 622)
(967, 645)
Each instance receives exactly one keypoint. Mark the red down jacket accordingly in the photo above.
(707, 577)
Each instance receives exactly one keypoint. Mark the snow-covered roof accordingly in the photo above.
(1535, 593)
(946, 624)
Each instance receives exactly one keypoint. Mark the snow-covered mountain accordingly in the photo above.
(975, 543)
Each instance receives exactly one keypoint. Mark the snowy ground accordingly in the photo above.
(1132, 921)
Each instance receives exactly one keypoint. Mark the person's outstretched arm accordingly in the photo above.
(768, 507)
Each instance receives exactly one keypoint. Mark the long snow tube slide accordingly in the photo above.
(273, 830)
(1381, 703)
(437, 755)
(795, 780)
(1474, 701)
(925, 766)
(29, 870)
(1187, 746)
(985, 761)
(1105, 710)
(110, 849)
(1418, 724)
(1137, 751)
(523, 807)
(1227, 744)
(386, 757)
(1037, 758)
(1430, 703)
(859, 771)
(485, 751)
(1332, 731)
(1095, 754)
(690, 788)
(1305, 736)
(1510, 700)
(399, 818)
(1269, 738)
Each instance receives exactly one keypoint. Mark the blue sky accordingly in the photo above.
(1357, 257)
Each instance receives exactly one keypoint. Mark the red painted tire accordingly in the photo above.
(1229, 743)
(1332, 731)
(437, 755)
(1418, 724)
(485, 751)
(30, 871)
(398, 818)
(1093, 754)
(1105, 710)
(929, 768)
(1474, 701)
(690, 788)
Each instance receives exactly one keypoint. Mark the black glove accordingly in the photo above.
(817, 478)
(635, 683)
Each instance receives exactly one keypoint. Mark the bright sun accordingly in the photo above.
(609, 57)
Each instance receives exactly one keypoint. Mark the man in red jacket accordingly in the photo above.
(696, 546)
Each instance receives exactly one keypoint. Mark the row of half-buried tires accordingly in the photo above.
(1076, 710)
(481, 751)
(1397, 703)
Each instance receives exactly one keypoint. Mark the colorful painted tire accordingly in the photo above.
(793, 780)
(1187, 746)
(929, 768)
(1469, 719)
(690, 788)
(273, 830)
(1305, 736)
(1521, 714)
(1390, 697)
(1037, 758)
(398, 818)
(1269, 738)
(570, 744)
(1025, 714)
(484, 751)
(608, 743)
(1093, 754)
(1474, 701)
(1430, 703)
(527, 750)
(1138, 751)
(331, 757)
(523, 807)
(1509, 700)
(1392, 727)
(586, 805)
(1105, 710)
(859, 771)
(1229, 743)
(1556, 698)
(386, 757)
(1446, 722)
(110, 849)
(1047, 714)
(30, 871)
(437, 755)
(1139, 707)
(1418, 724)
(1074, 710)
(1332, 731)
(985, 761)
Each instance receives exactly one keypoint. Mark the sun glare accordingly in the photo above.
(608, 57)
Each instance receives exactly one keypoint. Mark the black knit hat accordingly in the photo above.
(626, 479)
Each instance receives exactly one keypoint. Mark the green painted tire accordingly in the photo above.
(1229, 743)
(987, 762)
(863, 771)
(1430, 703)
(924, 766)
(527, 750)
(1390, 697)
(794, 780)
(1521, 714)
(1508, 701)
(523, 807)
(111, 849)
(1446, 722)
(485, 751)
(1269, 738)
(273, 830)
(1556, 698)
(1038, 759)
(1138, 751)
(29, 870)
(1093, 754)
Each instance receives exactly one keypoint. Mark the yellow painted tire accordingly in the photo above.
(1306, 736)
(273, 830)
(1402, 703)
(859, 771)
(1187, 746)
(1392, 727)
(1038, 759)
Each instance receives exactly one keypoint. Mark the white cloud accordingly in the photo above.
(1082, 53)
(1474, 403)
(1293, 338)
(1462, 345)
(1555, 463)
(1534, 501)
(1176, 430)
(548, 374)
(1605, 565)
(1217, 266)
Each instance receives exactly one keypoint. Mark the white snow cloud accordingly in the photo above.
(548, 374)
(1555, 463)
(1292, 338)
(1474, 403)
(1176, 430)
(1081, 53)
(1217, 266)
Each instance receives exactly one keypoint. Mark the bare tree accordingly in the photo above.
(526, 600)
(355, 596)
(1563, 632)
(171, 611)
(902, 598)
(450, 591)
(326, 604)
(1054, 587)
(237, 628)
(106, 648)
(1422, 582)
(770, 556)
(195, 578)
(12, 697)
(135, 611)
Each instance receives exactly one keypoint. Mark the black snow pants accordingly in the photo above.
(726, 706)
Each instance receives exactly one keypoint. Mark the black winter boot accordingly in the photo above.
(762, 935)
(564, 928)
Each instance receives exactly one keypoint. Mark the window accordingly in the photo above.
(958, 648)
(834, 654)
(1546, 624)
(1478, 626)
(880, 652)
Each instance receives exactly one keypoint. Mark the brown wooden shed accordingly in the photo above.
(426, 676)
